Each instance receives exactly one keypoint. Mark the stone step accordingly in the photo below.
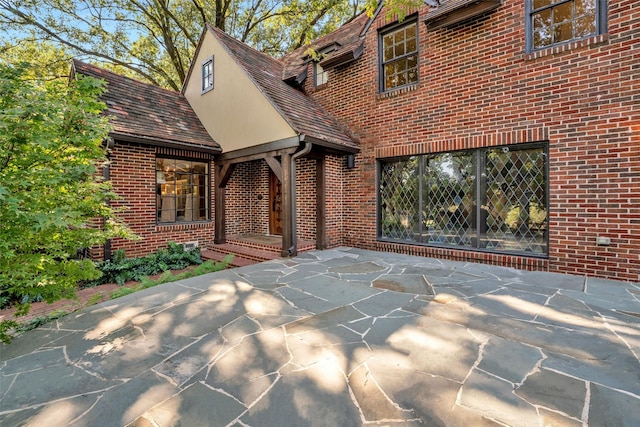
(255, 254)
(238, 261)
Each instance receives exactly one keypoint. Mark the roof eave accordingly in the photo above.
(161, 142)
(343, 58)
(462, 12)
(330, 145)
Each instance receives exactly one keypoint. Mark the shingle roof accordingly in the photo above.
(148, 113)
(304, 114)
(347, 40)
(448, 6)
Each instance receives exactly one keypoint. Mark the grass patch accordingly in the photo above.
(8, 328)
(12, 327)
(168, 276)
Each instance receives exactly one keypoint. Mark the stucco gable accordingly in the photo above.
(255, 72)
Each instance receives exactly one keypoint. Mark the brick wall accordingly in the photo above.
(478, 87)
(239, 200)
(306, 198)
(248, 198)
(133, 178)
(337, 210)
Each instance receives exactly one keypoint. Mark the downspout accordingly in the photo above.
(306, 150)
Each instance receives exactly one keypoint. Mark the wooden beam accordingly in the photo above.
(223, 174)
(275, 166)
(288, 206)
(259, 151)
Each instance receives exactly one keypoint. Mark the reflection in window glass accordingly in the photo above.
(182, 188)
(207, 75)
(399, 53)
(434, 200)
(560, 21)
(321, 75)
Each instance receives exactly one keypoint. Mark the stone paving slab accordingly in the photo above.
(342, 337)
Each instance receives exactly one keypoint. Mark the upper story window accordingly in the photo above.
(553, 22)
(207, 75)
(321, 76)
(398, 48)
(182, 190)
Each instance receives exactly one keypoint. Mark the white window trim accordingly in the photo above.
(209, 88)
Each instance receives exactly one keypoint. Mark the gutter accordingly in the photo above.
(159, 142)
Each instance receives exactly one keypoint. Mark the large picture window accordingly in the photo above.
(399, 56)
(182, 189)
(491, 199)
(552, 22)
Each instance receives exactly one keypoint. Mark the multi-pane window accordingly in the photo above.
(553, 22)
(491, 199)
(399, 56)
(207, 75)
(182, 190)
(321, 75)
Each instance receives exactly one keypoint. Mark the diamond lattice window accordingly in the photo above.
(433, 199)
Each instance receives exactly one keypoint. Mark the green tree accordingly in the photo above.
(51, 192)
(155, 39)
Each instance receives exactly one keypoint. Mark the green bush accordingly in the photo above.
(120, 269)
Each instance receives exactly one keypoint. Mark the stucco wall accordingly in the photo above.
(235, 113)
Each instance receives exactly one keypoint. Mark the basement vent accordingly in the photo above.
(190, 245)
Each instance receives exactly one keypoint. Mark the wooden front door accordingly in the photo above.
(275, 204)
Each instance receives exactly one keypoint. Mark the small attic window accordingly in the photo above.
(321, 76)
(207, 75)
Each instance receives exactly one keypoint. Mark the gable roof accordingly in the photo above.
(304, 114)
(145, 113)
(348, 43)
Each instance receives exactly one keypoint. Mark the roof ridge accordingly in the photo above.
(219, 31)
(113, 73)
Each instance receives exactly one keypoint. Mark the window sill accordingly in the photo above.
(318, 88)
(392, 93)
(566, 47)
(183, 225)
(462, 249)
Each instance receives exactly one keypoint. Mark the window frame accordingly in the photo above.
(207, 195)
(316, 74)
(480, 192)
(409, 21)
(601, 23)
(207, 79)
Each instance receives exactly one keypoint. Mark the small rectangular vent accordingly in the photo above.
(190, 245)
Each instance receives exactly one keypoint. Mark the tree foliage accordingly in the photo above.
(51, 150)
(154, 40)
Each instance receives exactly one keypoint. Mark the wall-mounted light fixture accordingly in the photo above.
(351, 161)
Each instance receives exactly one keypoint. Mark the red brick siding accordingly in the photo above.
(337, 210)
(239, 197)
(478, 87)
(261, 199)
(248, 199)
(306, 198)
(133, 178)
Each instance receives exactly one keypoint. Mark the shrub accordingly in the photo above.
(120, 269)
